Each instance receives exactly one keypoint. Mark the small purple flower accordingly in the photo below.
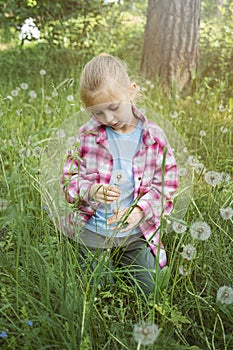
(3, 335)
(30, 323)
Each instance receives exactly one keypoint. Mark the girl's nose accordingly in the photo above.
(108, 116)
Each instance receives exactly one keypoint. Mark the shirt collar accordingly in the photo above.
(95, 127)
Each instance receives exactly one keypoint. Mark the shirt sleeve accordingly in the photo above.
(158, 198)
(76, 182)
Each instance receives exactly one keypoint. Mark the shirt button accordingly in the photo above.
(119, 176)
(139, 178)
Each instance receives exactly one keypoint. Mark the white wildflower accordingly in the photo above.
(29, 30)
(15, 92)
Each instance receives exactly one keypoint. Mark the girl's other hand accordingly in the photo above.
(104, 193)
(127, 221)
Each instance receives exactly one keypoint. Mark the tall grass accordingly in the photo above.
(47, 300)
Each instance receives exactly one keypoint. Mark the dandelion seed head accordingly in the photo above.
(42, 72)
(54, 93)
(221, 108)
(145, 333)
(189, 252)
(198, 102)
(199, 168)
(70, 98)
(213, 178)
(184, 271)
(225, 295)
(202, 133)
(223, 129)
(14, 92)
(174, 114)
(193, 161)
(225, 177)
(32, 94)
(179, 227)
(200, 230)
(24, 86)
(226, 213)
(182, 171)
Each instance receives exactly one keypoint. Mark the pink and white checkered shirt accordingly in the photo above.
(91, 162)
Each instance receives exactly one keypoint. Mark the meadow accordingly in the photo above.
(46, 301)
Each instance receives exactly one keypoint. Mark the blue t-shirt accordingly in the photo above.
(123, 148)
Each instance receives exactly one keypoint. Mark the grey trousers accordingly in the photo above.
(134, 258)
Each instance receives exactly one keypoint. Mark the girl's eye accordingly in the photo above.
(98, 113)
(114, 108)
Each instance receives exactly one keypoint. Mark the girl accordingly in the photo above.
(120, 174)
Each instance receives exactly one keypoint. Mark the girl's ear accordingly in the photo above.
(132, 90)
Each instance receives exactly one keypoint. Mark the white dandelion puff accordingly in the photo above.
(36, 152)
(202, 133)
(223, 129)
(32, 94)
(225, 177)
(70, 98)
(145, 333)
(184, 271)
(213, 178)
(182, 171)
(189, 252)
(225, 295)
(60, 133)
(174, 114)
(179, 227)
(200, 168)
(24, 86)
(200, 230)
(42, 72)
(15, 92)
(54, 93)
(221, 108)
(226, 213)
(193, 161)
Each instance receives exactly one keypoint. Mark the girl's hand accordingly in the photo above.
(124, 220)
(103, 193)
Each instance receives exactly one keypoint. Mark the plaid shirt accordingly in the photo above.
(91, 162)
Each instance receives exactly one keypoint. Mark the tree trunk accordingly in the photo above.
(171, 41)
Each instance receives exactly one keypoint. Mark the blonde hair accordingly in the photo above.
(98, 72)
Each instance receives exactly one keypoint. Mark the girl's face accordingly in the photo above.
(113, 108)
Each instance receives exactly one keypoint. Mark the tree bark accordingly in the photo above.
(171, 41)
